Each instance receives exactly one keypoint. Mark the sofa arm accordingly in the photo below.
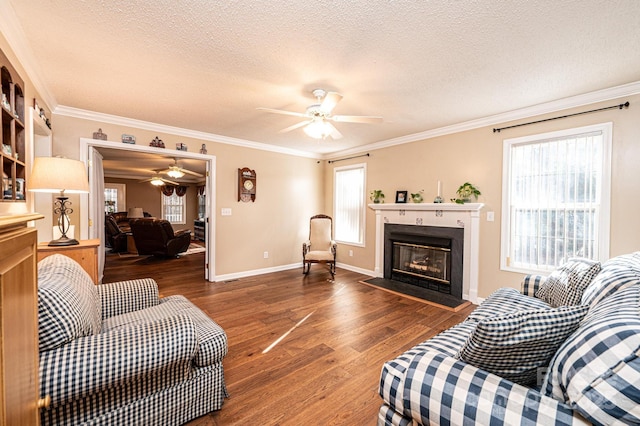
(150, 355)
(439, 389)
(127, 296)
(531, 284)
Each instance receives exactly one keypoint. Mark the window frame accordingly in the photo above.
(362, 230)
(604, 210)
(183, 205)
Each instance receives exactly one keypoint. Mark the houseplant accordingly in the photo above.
(417, 197)
(465, 192)
(377, 196)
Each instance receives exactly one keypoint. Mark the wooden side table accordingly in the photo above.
(85, 253)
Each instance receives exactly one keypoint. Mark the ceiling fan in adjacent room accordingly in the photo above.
(318, 116)
(176, 172)
(158, 180)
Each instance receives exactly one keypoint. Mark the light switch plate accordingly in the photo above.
(225, 212)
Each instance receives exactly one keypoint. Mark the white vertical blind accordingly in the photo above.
(555, 188)
(349, 203)
(173, 208)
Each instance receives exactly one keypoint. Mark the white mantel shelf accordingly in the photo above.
(453, 215)
(451, 207)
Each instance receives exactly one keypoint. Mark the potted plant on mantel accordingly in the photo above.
(466, 192)
(377, 196)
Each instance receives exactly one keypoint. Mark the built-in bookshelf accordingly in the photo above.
(12, 138)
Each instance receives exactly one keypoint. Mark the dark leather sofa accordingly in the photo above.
(156, 237)
(116, 239)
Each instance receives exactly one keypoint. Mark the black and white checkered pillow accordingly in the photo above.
(596, 370)
(68, 302)
(617, 273)
(514, 346)
(565, 285)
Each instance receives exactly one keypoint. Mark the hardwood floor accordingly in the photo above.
(302, 350)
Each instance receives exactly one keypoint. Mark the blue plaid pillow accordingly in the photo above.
(514, 346)
(565, 285)
(617, 273)
(596, 370)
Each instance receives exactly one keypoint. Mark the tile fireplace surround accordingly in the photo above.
(466, 216)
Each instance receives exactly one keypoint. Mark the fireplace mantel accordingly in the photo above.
(451, 215)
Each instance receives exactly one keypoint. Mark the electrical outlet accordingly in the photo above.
(266, 254)
(351, 253)
(490, 217)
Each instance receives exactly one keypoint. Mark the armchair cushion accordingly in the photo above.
(565, 285)
(211, 338)
(504, 301)
(68, 302)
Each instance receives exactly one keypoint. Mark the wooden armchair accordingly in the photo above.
(320, 248)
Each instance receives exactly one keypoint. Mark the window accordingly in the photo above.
(349, 204)
(556, 190)
(114, 197)
(173, 208)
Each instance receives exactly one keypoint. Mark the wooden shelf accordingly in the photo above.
(12, 137)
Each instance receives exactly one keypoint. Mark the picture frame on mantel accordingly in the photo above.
(401, 197)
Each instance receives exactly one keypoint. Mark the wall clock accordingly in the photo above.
(246, 185)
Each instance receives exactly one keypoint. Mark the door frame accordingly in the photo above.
(86, 218)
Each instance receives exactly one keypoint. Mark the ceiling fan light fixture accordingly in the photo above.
(175, 173)
(156, 181)
(318, 129)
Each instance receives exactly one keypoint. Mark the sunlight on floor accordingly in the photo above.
(279, 339)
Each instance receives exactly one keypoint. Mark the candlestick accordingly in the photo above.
(439, 198)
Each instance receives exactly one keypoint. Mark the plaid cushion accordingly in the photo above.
(617, 273)
(212, 340)
(504, 301)
(514, 346)
(593, 359)
(68, 302)
(565, 285)
(126, 296)
(531, 284)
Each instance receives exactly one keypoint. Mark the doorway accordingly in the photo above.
(88, 222)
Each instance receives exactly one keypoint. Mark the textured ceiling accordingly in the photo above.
(207, 65)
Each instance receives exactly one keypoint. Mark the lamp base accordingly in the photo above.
(64, 241)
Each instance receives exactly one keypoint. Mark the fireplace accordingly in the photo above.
(430, 257)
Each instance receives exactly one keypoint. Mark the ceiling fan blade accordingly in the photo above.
(356, 119)
(335, 134)
(280, 111)
(330, 101)
(189, 172)
(295, 126)
(169, 181)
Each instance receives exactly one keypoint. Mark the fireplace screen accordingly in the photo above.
(422, 261)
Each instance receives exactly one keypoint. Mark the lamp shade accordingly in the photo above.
(317, 129)
(56, 174)
(135, 212)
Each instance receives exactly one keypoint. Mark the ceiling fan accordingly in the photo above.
(318, 116)
(158, 180)
(177, 172)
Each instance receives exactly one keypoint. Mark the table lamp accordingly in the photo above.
(59, 175)
(135, 213)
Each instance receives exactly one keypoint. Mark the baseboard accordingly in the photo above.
(243, 274)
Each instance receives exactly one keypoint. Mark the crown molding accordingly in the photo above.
(178, 131)
(17, 40)
(603, 95)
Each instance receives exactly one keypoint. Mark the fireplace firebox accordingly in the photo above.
(425, 256)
